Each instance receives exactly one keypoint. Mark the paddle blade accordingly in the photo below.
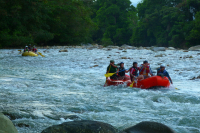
(132, 84)
(109, 75)
(41, 54)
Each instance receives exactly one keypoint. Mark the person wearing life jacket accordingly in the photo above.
(145, 70)
(29, 47)
(121, 72)
(34, 49)
(26, 49)
(112, 68)
(163, 72)
(134, 72)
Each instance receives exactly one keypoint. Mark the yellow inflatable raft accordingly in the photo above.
(29, 53)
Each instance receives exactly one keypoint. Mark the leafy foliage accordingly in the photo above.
(42, 21)
(108, 22)
(167, 23)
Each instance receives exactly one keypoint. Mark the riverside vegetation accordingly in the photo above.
(113, 22)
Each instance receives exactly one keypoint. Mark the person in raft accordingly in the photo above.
(26, 49)
(134, 72)
(121, 72)
(34, 49)
(162, 72)
(112, 68)
(29, 47)
(145, 70)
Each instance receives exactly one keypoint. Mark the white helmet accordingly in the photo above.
(162, 66)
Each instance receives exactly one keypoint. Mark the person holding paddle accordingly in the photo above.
(121, 72)
(162, 72)
(112, 68)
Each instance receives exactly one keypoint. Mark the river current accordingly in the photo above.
(42, 90)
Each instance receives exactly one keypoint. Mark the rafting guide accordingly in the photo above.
(161, 71)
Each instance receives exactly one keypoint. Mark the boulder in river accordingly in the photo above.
(195, 48)
(160, 55)
(126, 47)
(171, 48)
(6, 125)
(158, 48)
(84, 126)
(113, 47)
(63, 50)
(149, 127)
(195, 78)
(124, 58)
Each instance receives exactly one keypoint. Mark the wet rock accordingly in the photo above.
(149, 127)
(108, 49)
(84, 126)
(126, 47)
(187, 56)
(100, 46)
(22, 125)
(160, 55)
(14, 115)
(64, 50)
(18, 115)
(140, 48)
(195, 48)
(113, 47)
(121, 49)
(195, 78)
(124, 58)
(185, 51)
(58, 116)
(91, 48)
(158, 49)
(6, 125)
(95, 65)
(171, 48)
(124, 51)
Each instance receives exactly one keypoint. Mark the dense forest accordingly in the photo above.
(107, 22)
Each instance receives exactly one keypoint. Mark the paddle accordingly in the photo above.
(41, 54)
(132, 84)
(111, 74)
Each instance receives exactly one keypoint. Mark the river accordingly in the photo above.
(37, 89)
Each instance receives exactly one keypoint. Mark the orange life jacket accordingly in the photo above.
(147, 69)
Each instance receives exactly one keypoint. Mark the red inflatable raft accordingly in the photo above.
(113, 82)
(152, 82)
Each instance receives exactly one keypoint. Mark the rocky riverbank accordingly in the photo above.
(123, 47)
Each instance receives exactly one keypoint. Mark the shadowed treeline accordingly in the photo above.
(113, 22)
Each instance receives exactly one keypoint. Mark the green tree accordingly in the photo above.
(114, 21)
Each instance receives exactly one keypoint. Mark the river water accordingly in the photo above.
(38, 89)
